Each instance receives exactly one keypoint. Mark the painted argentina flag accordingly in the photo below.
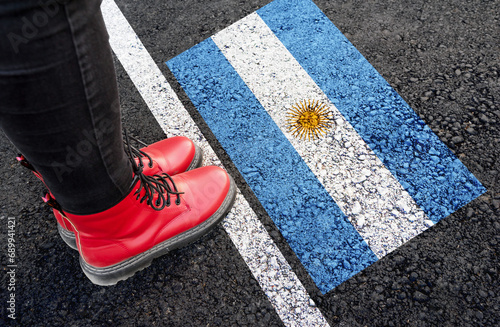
(343, 166)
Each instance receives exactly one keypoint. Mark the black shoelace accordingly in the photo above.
(137, 153)
(156, 184)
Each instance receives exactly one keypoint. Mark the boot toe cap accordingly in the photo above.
(173, 155)
(208, 188)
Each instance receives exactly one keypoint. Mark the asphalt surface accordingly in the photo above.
(441, 57)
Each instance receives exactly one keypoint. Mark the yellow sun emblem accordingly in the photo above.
(309, 119)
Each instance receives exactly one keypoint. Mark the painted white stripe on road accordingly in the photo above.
(381, 210)
(284, 290)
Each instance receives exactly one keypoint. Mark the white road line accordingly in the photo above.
(380, 209)
(284, 290)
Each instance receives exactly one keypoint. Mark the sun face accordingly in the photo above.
(309, 119)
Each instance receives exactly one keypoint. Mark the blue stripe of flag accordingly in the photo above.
(427, 169)
(315, 228)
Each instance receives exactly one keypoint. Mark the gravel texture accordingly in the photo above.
(441, 57)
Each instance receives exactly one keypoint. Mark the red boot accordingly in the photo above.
(161, 213)
(171, 156)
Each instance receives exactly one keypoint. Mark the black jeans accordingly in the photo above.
(59, 101)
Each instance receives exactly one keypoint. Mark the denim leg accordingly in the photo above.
(59, 101)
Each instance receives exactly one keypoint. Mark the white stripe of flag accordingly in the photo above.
(383, 213)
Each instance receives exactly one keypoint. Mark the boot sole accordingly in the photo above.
(106, 276)
(69, 237)
(197, 160)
